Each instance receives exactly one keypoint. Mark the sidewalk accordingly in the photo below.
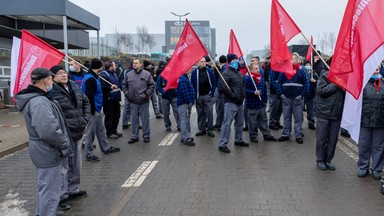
(13, 133)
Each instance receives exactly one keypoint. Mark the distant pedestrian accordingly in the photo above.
(49, 140)
(92, 88)
(256, 102)
(76, 72)
(233, 104)
(329, 110)
(204, 84)
(148, 66)
(138, 86)
(111, 100)
(371, 139)
(76, 110)
(185, 99)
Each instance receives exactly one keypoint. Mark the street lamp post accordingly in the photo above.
(180, 19)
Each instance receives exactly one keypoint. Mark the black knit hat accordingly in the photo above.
(56, 69)
(147, 63)
(96, 64)
(230, 57)
(223, 59)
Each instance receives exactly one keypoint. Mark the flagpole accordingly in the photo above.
(86, 69)
(312, 64)
(219, 72)
(315, 50)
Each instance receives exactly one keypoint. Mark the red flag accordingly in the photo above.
(310, 50)
(34, 53)
(188, 51)
(283, 29)
(234, 46)
(360, 37)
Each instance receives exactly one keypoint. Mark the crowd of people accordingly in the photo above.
(63, 109)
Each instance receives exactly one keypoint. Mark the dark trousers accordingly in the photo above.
(327, 134)
(111, 111)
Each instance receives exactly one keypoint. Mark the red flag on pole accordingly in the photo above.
(310, 50)
(234, 46)
(188, 51)
(361, 35)
(283, 29)
(34, 53)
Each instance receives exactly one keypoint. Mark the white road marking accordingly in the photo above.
(347, 151)
(168, 140)
(193, 110)
(138, 177)
(351, 145)
(13, 205)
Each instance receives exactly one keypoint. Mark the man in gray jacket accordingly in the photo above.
(49, 139)
(138, 86)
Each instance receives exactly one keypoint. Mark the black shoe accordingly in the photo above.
(169, 129)
(112, 136)
(299, 140)
(242, 143)
(254, 140)
(93, 158)
(201, 133)
(345, 134)
(112, 150)
(270, 138)
(189, 142)
(273, 127)
(140, 127)
(147, 140)
(280, 126)
(282, 139)
(245, 128)
(118, 134)
(77, 195)
(210, 133)
(224, 149)
(64, 205)
(82, 145)
(178, 129)
(159, 117)
(312, 127)
(133, 140)
(125, 127)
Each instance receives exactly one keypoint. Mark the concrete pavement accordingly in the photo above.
(267, 178)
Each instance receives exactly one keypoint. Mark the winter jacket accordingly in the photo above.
(49, 139)
(108, 94)
(296, 86)
(372, 113)
(185, 91)
(138, 86)
(273, 80)
(77, 77)
(75, 106)
(211, 79)
(234, 79)
(253, 101)
(329, 99)
(92, 89)
(160, 86)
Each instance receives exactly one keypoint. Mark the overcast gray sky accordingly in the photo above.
(250, 19)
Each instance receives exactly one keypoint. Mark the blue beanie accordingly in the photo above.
(230, 57)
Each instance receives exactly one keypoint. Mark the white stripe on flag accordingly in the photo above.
(352, 108)
(14, 61)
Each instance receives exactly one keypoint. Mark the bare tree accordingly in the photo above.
(322, 43)
(150, 42)
(142, 34)
(331, 41)
(302, 41)
(127, 41)
(137, 47)
(118, 42)
(267, 50)
(326, 43)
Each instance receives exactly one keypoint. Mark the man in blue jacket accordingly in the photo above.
(204, 84)
(292, 92)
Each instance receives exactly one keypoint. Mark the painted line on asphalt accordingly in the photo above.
(193, 109)
(141, 173)
(169, 139)
(350, 144)
(347, 151)
(13, 205)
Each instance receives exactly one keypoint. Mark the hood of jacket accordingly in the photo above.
(26, 95)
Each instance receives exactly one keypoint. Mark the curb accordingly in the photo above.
(13, 149)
